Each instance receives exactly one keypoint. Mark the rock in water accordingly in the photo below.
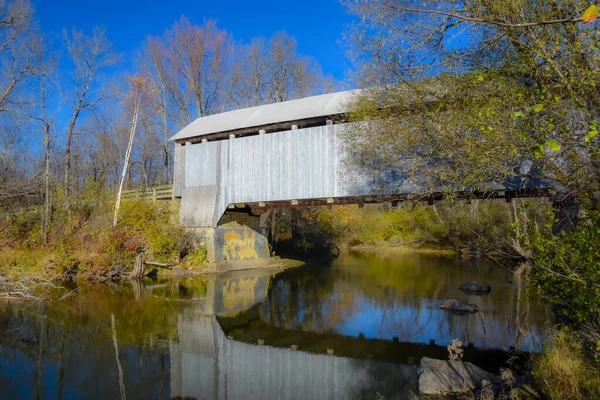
(460, 306)
(441, 377)
(475, 288)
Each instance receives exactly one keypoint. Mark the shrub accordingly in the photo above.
(163, 244)
(488, 226)
(82, 239)
(196, 258)
(22, 230)
(566, 270)
(140, 216)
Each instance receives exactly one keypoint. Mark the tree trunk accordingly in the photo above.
(273, 228)
(46, 212)
(166, 136)
(67, 177)
(134, 120)
(138, 267)
(61, 372)
(138, 288)
(40, 360)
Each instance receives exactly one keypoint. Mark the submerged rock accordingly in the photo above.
(460, 306)
(475, 288)
(441, 377)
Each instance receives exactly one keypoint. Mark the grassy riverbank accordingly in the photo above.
(492, 228)
(82, 241)
(403, 249)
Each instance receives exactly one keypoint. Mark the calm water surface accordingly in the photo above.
(198, 337)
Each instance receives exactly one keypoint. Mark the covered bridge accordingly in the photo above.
(287, 151)
(270, 156)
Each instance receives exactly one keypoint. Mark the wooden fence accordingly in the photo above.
(164, 192)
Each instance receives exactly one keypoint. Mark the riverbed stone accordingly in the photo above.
(475, 288)
(460, 306)
(443, 377)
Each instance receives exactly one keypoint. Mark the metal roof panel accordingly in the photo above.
(256, 117)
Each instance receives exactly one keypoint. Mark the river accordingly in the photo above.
(355, 328)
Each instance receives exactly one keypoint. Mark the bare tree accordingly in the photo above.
(290, 76)
(154, 67)
(273, 71)
(15, 50)
(103, 150)
(42, 86)
(147, 148)
(189, 68)
(18, 180)
(191, 65)
(91, 55)
(249, 75)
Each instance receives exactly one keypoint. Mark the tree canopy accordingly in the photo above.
(470, 89)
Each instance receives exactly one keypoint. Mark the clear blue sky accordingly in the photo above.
(316, 24)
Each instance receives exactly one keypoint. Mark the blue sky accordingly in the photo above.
(316, 24)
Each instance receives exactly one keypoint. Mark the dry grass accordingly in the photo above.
(563, 372)
(15, 263)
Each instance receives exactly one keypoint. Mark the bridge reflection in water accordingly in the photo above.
(206, 364)
(318, 308)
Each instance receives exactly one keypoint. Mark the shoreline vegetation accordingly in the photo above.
(470, 229)
(391, 250)
(81, 241)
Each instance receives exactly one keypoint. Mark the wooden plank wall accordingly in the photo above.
(179, 170)
(297, 164)
(198, 206)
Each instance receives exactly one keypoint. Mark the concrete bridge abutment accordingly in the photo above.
(237, 243)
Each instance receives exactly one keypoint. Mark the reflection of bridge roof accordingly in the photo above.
(309, 109)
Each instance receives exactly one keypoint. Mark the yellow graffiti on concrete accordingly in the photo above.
(239, 294)
(236, 248)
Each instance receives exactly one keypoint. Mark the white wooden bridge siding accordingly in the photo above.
(290, 165)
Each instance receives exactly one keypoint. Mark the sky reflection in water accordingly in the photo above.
(400, 296)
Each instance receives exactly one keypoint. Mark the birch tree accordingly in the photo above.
(135, 97)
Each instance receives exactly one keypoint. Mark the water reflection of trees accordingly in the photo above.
(400, 297)
(68, 346)
(120, 334)
(307, 299)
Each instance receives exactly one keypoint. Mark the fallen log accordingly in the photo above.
(156, 264)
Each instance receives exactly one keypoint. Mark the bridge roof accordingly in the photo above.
(270, 114)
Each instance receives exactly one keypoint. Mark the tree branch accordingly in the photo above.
(481, 20)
